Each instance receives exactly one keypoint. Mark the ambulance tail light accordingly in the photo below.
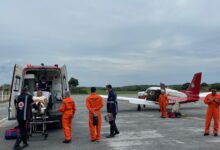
(28, 65)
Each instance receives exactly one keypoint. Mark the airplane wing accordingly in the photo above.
(134, 100)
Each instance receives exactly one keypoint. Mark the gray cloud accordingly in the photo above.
(119, 42)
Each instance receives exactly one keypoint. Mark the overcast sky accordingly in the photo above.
(122, 42)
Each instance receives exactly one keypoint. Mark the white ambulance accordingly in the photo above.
(29, 76)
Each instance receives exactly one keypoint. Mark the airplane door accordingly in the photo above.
(65, 85)
(15, 90)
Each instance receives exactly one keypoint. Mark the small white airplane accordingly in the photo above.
(151, 95)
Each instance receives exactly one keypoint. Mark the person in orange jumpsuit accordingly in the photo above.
(94, 104)
(68, 108)
(163, 101)
(213, 102)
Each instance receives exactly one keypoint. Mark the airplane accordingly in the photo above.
(175, 98)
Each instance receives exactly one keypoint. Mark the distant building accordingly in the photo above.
(4, 92)
(5, 88)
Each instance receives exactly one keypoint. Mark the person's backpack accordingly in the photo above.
(12, 133)
(172, 115)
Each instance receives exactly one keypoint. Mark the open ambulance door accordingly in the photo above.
(65, 85)
(15, 90)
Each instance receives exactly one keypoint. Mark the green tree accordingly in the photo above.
(215, 86)
(73, 82)
(185, 86)
(204, 84)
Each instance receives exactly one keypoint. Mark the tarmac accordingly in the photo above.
(138, 130)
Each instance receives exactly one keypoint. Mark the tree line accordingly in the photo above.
(74, 89)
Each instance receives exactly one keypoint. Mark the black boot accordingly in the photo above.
(111, 135)
(17, 144)
(25, 144)
(17, 148)
(116, 130)
(67, 141)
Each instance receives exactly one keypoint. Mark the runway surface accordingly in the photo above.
(138, 130)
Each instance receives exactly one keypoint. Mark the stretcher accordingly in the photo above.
(38, 124)
(40, 119)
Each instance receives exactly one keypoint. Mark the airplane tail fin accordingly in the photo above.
(194, 87)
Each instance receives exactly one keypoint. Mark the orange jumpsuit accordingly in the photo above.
(68, 109)
(163, 101)
(212, 112)
(94, 103)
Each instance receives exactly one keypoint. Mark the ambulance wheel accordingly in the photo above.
(139, 107)
(60, 125)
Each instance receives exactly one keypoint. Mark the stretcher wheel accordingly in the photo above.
(45, 136)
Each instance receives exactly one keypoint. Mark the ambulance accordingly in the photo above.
(30, 76)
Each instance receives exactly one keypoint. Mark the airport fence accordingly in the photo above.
(4, 98)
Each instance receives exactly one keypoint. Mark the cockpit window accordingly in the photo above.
(153, 95)
(150, 92)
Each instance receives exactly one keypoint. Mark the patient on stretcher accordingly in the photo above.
(40, 102)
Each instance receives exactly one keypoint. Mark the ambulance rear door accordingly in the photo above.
(15, 90)
(65, 86)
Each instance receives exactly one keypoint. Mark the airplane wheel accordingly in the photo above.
(139, 108)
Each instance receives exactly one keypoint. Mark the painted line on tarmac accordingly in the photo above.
(195, 118)
(2, 120)
(214, 141)
(126, 140)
